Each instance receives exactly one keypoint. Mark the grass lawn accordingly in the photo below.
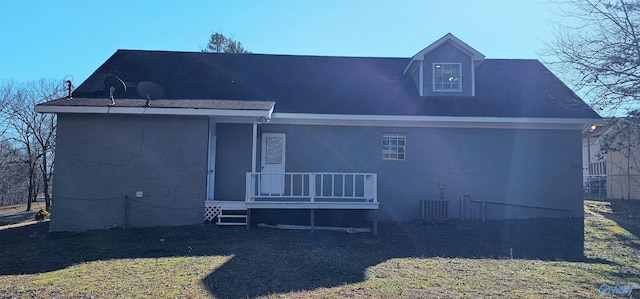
(517, 259)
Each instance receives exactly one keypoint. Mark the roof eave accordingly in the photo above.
(183, 107)
(154, 111)
(433, 121)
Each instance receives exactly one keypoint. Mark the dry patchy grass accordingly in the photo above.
(511, 259)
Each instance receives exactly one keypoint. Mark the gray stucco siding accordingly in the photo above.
(103, 160)
(233, 160)
(525, 167)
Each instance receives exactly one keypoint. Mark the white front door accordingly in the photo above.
(273, 155)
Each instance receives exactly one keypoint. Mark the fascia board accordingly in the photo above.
(154, 111)
(71, 109)
(430, 121)
(210, 112)
(412, 66)
(456, 42)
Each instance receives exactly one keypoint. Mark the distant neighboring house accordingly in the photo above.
(444, 134)
(609, 174)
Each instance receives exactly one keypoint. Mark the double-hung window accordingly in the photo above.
(394, 146)
(447, 77)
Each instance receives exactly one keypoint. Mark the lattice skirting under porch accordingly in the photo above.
(211, 212)
(226, 212)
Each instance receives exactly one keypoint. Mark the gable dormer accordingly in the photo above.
(445, 68)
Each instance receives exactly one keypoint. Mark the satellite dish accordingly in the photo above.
(150, 90)
(115, 85)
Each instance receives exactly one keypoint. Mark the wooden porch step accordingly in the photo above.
(232, 223)
(237, 217)
(232, 216)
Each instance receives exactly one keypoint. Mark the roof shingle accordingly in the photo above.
(338, 85)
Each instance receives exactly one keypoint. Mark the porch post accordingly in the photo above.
(248, 218)
(375, 222)
(253, 168)
(254, 146)
(313, 220)
(211, 159)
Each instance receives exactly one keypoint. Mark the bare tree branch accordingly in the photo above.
(597, 48)
(35, 132)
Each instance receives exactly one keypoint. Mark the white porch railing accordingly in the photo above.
(312, 187)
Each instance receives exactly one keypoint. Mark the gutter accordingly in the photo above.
(153, 111)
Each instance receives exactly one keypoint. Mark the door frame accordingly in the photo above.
(279, 179)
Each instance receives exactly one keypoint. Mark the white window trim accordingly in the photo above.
(421, 76)
(433, 77)
(393, 153)
(473, 78)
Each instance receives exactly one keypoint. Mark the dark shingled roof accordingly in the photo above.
(338, 85)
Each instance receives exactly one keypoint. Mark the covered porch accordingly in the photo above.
(270, 183)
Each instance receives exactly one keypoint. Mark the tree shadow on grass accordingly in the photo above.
(300, 260)
(32, 249)
(269, 261)
(626, 213)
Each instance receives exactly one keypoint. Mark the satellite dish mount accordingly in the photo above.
(150, 91)
(115, 86)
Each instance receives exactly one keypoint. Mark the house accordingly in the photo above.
(610, 174)
(594, 165)
(157, 138)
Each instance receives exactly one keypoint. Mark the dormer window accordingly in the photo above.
(438, 69)
(447, 77)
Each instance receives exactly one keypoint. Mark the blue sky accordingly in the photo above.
(53, 39)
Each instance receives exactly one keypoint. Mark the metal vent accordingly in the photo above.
(434, 210)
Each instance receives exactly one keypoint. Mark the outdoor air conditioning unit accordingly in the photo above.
(434, 210)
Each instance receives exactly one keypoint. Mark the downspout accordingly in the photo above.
(124, 211)
(462, 205)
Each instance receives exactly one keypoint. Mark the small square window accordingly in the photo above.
(447, 77)
(394, 146)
